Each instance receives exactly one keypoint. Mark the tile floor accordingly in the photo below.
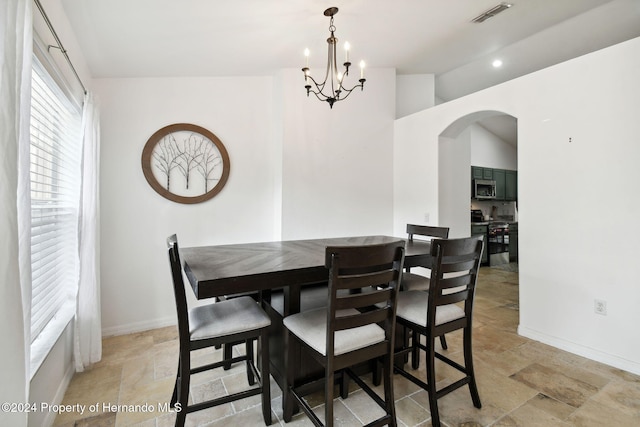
(521, 382)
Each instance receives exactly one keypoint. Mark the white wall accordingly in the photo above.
(136, 291)
(577, 154)
(337, 173)
(488, 150)
(414, 92)
(454, 172)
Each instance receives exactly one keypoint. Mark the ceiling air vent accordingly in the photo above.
(492, 12)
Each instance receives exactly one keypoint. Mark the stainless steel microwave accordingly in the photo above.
(484, 189)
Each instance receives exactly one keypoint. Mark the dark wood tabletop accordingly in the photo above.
(228, 269)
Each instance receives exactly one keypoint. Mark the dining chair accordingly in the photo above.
(448, 306)
(419, 282)
(220, 323)
(357, 326)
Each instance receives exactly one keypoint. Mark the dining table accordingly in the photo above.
(287, 267)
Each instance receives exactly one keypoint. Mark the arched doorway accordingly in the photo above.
(487, 140)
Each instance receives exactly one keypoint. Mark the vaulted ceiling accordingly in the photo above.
(150, 38)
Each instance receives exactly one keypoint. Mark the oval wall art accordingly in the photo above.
(185, 163)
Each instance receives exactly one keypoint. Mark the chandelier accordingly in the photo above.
(333, 79)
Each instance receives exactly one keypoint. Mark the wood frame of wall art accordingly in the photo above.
(185, 163)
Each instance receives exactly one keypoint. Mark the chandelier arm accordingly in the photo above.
(348, 91)
(319, 86)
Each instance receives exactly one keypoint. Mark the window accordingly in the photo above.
(56, 148)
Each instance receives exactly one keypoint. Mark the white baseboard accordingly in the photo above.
(580, 350)
(139, 326)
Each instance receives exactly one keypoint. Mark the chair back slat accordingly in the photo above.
(367, 258)
(356, 281)
(455, 282)
(453, 298)
(361, 319)
(360, 300)
(457, 264)
(427, 231)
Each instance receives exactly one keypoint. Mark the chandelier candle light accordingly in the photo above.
(333, 79)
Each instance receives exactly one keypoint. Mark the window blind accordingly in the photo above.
(56, 148)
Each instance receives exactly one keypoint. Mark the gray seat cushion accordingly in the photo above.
(412, 306)
(415, 282)
(226, 318)
(311, 327)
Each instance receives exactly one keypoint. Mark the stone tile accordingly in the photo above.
(107, 419)
(82, 390)
(116, 350)
(571, 367)
(553, 407)
(622, 396)
(498, 390)
(611, 372)
(506, 363)
(236, 383)
(410, 412)
(161, 335)
(488, 339)
(530, 416)
(595, 414)
(363, 407)
(250, 417)
(556, 384)
(141, 401)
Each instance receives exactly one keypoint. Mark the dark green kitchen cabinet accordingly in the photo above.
(499, 176)
(511, 186)
(506, 181)
(478, 172)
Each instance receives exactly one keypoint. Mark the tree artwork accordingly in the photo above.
(185, 163)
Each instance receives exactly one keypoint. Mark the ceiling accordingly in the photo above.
(158, 38)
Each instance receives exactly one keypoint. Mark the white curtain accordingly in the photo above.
(15, 267)
(88, 336)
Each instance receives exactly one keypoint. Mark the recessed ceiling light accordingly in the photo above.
(497, 63)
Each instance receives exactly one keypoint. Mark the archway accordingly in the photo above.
(486, 139)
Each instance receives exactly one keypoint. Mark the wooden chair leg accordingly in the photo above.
(227, 353)
(415, 350)
(344, 385)
(388, 388)
(443, 342)
(183, 387)
(265, 376)
(376, 373)
(174, 396)
(328, 396)
(431, 382)
(468, 363)
(250, 359)
(288, 405)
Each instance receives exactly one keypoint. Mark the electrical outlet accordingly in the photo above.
(426, 217)
(600, 307)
